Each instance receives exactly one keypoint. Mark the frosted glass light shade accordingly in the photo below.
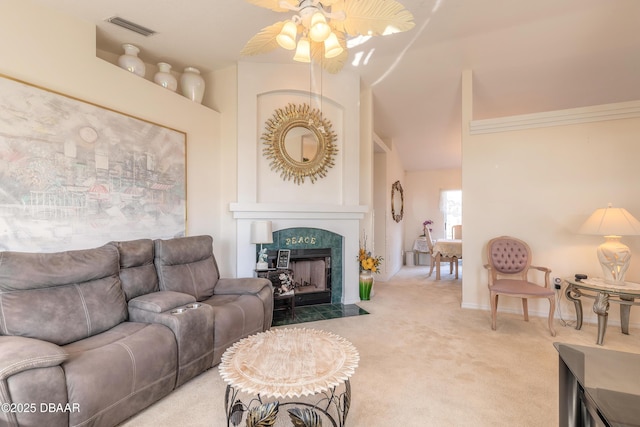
(303, 52)
(332, 46)
(319, 30)
(287, 37)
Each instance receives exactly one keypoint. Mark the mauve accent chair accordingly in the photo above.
(509, 261)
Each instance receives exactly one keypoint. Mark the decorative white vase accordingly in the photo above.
(130, 61)
(192, 84)
(164, 77)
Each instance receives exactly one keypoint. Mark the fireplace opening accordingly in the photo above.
(311, 273)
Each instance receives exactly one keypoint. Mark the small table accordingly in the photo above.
(451, 248)
(289, 363)
(289, 301)
(420, 246)
(603, 292)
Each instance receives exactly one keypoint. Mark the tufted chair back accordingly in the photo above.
(508, 256)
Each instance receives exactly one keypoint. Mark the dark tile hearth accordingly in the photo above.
(312, 313)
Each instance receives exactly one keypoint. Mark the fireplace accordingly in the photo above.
(311, 273)
(315, 262)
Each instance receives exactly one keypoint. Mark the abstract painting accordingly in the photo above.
(76, 175)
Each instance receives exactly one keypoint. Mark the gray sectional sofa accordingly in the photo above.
(91, 337)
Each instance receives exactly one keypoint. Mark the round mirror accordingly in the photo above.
(299, 143)
(397, 201)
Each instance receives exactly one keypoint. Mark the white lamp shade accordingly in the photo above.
(303, 52)
(287, 36)
(319, 30)
(332, 46)
(611, 221)
(261, 232)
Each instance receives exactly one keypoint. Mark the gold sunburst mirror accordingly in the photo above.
(299, 143)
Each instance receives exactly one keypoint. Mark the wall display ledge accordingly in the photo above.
(622, 110)
(284, 211)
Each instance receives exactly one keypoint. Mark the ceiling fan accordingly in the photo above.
(319, 29)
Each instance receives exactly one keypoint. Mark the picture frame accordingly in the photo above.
(283, 259)
(76, 174)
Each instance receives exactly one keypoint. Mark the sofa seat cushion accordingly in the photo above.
(61, 297)
(115, 374)
(234, 317)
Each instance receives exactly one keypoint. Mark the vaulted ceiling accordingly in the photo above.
(526, 56)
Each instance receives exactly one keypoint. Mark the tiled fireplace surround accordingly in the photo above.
(341, 220)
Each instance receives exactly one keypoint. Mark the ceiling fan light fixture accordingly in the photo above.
(287, 37)
(303, 51)
(332, 46)
(319, 29)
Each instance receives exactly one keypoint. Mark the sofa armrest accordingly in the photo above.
(241, 286)
(18, 354)
(158, 302)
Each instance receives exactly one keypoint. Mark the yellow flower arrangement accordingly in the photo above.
(368, 261)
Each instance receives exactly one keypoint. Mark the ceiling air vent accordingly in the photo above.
(131, 26)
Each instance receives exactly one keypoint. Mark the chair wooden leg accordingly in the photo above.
(456, 261)
(525, 308)
(552, 309)
(433, 261)
(494, 309)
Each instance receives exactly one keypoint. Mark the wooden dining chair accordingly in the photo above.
(509, 261)
(456, 231)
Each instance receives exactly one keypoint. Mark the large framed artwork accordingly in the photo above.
(76, 175)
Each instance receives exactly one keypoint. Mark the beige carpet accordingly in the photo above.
(424, 361)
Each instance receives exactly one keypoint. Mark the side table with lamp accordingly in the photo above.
(614, 257)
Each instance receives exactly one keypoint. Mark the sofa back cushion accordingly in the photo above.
(187, 264)
(137, 271)
(60, 297)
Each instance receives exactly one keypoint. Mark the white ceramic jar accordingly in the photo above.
(192, 84)
(164, 77)
(130, 61)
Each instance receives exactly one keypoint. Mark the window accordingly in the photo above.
(451, 207)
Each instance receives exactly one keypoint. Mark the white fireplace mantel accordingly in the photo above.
(296, 211)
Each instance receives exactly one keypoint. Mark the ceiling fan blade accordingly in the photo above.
(372, 17)
(274, 4)
(264, 41)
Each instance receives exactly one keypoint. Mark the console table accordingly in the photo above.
(289, 363)
(598, 387)
(603, 292)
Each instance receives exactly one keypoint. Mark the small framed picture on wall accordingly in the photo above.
(283, 258)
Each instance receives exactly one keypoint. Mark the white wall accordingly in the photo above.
(388, 169)
(538, 177)
(56, 52)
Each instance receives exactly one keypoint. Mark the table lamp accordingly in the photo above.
(261, 234)
(612, 223)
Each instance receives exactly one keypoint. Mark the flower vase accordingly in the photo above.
(130, 61)
(366, 284)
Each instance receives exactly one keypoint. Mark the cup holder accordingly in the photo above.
(194, 305)
(178, 311)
